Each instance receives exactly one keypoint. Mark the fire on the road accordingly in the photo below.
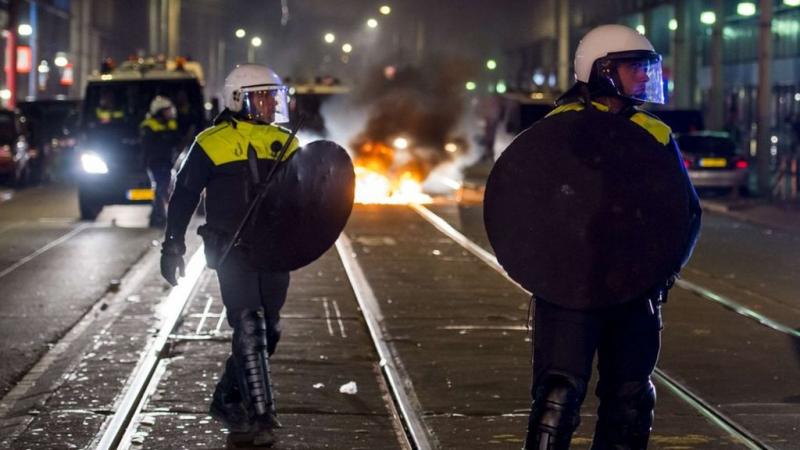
(378, 182)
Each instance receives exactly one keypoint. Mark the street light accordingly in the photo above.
(746, 9)
(470, 85)
(708, 17)
(673, 24)
(791, 2)
(491, 64)
(385, 10)
(256, 41)
(24, 29)
(240, 33)
(61, 60)
(330, 38)
(641, 29)
(372, 23)
(347, 48)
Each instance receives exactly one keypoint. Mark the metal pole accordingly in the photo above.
(153, 27)
(715, 101)
(764, 97)
(564, 80)
(34, 41)
(174, 28)
(11, 48)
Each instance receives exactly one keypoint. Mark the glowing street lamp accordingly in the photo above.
(330, 38)
(491, 64)
(385, 10)
(240, 33)
(708, 17)
(61, 60)
(641, 29)
(673, 24)
(347, 48)
(470, 85)
(256, 41)
(372, 23)
(746, 9)
(24, 29)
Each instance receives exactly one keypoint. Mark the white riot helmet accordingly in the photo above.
(600, 54)
(161, 103)
(256, 93)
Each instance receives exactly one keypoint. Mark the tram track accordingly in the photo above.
(706, 409)
(404, 403)
(129, 403)
(120, 427)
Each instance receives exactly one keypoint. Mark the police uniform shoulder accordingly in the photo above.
(282, 129)
(655, 126)
(571, 106)
(213, 130)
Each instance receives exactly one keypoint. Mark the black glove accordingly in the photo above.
(172, 252)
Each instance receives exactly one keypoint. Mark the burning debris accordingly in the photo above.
(410, 129)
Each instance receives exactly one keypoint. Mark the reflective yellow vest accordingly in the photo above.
(225, 144)
(651, 124)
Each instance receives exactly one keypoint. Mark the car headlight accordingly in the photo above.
(93, 163)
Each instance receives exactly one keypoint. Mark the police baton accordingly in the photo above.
(261, 192)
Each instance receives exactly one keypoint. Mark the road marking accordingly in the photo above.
(327, 315)
(45, 248)
(220, 321)
(339, 319)
(209, 300)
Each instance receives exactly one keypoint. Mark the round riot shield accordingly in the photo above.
(305, 208)
(587, 209)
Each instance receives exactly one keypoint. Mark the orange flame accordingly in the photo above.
(376, 184)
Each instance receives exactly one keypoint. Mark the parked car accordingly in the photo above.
(714, 161)
(54, 124)
(17, 154)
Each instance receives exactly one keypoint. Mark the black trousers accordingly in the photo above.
(626, 338)
(160, 174)
(244, 287)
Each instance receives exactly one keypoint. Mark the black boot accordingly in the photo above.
(227, 405)
(253, 374)
(625, 416)
(555, 412)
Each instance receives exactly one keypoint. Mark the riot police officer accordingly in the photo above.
(160, 139)
(226, 160)
(617, 69)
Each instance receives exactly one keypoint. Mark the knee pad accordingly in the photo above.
(555, 413)
(625, 416)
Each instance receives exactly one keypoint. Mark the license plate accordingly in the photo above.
(713, 162)
(140, 194)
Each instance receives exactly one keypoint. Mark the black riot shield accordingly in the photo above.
(586, 210)
(305, 207)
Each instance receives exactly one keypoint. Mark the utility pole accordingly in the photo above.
(684, 66)
(174, 26)
(11, 49)
(153, 27)
(562, 11)
(715, 101)
(764, 98)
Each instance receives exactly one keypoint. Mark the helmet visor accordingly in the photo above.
(265, 104)
(641, 78)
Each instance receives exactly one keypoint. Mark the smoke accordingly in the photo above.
(423, 104)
